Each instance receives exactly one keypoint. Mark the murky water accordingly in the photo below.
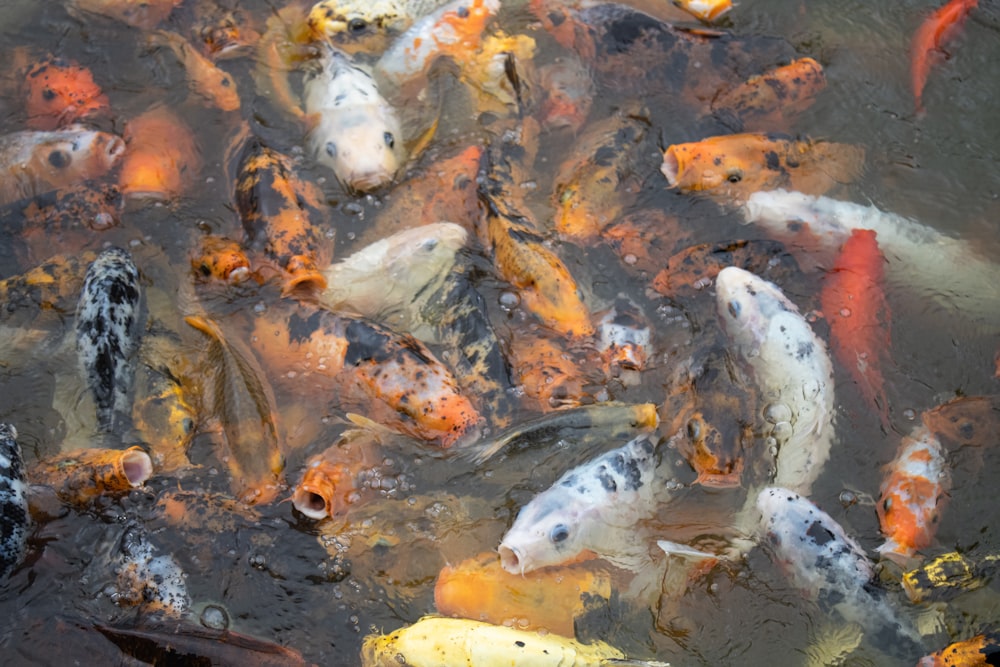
(285, 579)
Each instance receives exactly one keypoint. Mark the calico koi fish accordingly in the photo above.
(282, 217)
(732, 167)
(366, 25)
(855, 307)
(221, 259)
(60, 92)
(354, 130)
(912, 495)
(239, 396)
(211, 83)
(109, 326)
(81, 475)
(162, 158)
(394, 378)
(15, 522)
(979, 651)
(767, 102)
(928, 40)
(33, 162)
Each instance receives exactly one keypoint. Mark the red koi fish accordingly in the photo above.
(855, 307)
(928, 40)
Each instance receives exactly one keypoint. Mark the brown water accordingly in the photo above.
(272, 573)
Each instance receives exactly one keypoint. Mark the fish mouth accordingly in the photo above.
(114, 150)
(671, 166)
(368, 181)
(511, 560)
(136, 467)
(310, 503)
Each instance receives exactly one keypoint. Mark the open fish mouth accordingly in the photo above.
(114, 150)
(311, 502)
(368, 181)
(511, 559)
(671, 167)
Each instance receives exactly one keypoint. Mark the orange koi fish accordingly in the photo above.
(59, 92)
(694, 268)
(79, 476)
(222, 259)
(859, 317)
(732, 167)
(205, 78)
(392, 377)
(144, 15)
(912, 495)
(282, 216)
(928, 39)
(161, 157)
(549, 599)
(547, 373)
(966, 420)
(979, 651)
(769, 101)
(239, 396)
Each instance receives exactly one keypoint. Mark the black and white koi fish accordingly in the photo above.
(14, 518)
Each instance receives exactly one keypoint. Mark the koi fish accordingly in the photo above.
(694, 268)
(549, 374)
(829, 566)
(706, 10)
(929, 38)
(54, 284)
(435, 640)
(282, 217)
(912, 495)
(224, 32)
(69, 214)
(163, 417)
(394, 378)
(144, 15)
(790, 367)
(33, 162)
(81, 475)
(162, 158)
(221, 259)
(950, 271)
(366, 25)
(154, 582)
(568, 94)
(59, 92)
(623, 338)
(211, 83)
(769, 101)
(355, 131)
(949, 575)
(478, 588)
(979, 651)
(109, 327)
(732, 167)
(15, 522)
(595, 507)
(855, 307)
(240, 397)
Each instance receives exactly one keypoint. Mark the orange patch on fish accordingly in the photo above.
(205, 78)
(59, 92)
(771, 100)
(546, 371)
(854, 304)
(221, 259)
(928, 39)
(161, 156)
(979, 651)
(82, 475)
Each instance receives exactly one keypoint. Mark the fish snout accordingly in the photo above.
(670, 167)
(511, 559)
(113, 150)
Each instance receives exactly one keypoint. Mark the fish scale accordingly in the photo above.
(14, 518)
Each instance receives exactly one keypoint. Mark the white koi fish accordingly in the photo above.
(354, 130)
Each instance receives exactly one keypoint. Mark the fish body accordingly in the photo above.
(769, 101)
(239, 396)
(144, 15)
(59, 92)
(979, 651)
(552, 376)
(790, 367)
(706, 10)
(948, 576)
(164, 417)
(594, 507)
(109, 327)
(829, 566)
(70, 216)
(162, 158)
(624, 338)
(33, 162)
(205, 78)
(355, 131)
(734, 166)
(436, 640)
(924, 261)
(693, 269)
(282, 217)
(81, 475)
(928, 40)
(912, 495)
(854, 303)
(152, 581)
(15, 522)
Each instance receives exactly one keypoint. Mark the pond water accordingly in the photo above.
(285, 579)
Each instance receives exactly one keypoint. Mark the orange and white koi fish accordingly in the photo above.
(59, 92)
(928, 39)
(979, 651)
(81, 475)
(161, 159)
(854, 303)
(393, 378)
(205, 78)
(768, 102)
(33, 162)
(912, 495)
(735, 166)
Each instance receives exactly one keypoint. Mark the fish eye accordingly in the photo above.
(390, 140)
(693, 429)
(734, 308)
(357, 25)
(559, 533)
(735, 176)
(60, 159)
(331, 149)
(187, 425)
(48, 94)
(226, 81)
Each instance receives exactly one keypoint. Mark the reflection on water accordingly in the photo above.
(320, 587)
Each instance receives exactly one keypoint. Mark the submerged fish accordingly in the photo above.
(144, 15)
(109, 327)
(361, 23)
(33, 161)
(162, 159)
(693, 269)
(979, 651)
(949, 575)
(205, 78)
(154, 582)
(354, 130)
(60, 92)
(912, 495)
(14, 518)
(595, 507)
(770, 101)
(80, 476)
(929, 37)
(163, 416)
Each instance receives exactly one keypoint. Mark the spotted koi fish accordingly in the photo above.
(979, 651)
(109, 326)
(59, 92)
(693, 269)
(222, 259)
(15, 522)
(80, 476)
(769, 101)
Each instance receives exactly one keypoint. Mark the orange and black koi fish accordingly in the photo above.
(928, 39)
(59, 92)
(769, 101)
(222, 259)
(979, 651)
(79, 476)
(693, 269)
(163, 417)
(282, 216)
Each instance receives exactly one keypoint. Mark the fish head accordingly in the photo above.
(746, 305)
(357, 26)
(66, 157)
(59, 91)
(550, 530)
(731, 166)
(365, 155)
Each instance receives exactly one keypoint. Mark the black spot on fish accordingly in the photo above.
(772, 161)
(820, 534)
(463, 12)
(804, 350)
(300, 330)
(605, 156)
(606, 480)
(365, 343)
